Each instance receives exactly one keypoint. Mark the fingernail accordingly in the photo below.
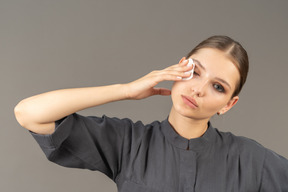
(179, 77)
(187, 73)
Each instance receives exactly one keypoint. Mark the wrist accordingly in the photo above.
(125, 91)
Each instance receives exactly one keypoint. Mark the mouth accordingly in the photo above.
(190, 101)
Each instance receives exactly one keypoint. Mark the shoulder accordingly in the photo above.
(242, 146)
(249, 147)
(128, 126)
(107, 124)
(270, 168)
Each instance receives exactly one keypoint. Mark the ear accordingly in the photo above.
(229, 105)
(182, 59)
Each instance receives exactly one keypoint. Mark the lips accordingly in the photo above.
(190, 101)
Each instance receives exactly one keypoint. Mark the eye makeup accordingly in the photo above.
(219, 88)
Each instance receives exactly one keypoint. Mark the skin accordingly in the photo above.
(39, 113)
(211, 88)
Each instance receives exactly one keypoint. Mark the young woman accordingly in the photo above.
(180, 154)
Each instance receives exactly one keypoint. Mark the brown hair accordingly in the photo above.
(233, 50)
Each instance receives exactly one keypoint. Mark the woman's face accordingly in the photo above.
(211, 88)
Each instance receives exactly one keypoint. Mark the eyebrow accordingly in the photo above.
(217, 78)
(199, 63)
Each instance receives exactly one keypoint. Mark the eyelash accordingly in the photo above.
(219, 88)
(195, 73)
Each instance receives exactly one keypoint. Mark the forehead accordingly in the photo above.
(217, 64)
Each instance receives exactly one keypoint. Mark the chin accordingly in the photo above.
(193, 114)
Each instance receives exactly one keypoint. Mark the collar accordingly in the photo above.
(196, 144)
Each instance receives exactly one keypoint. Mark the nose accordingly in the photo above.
(199, 88)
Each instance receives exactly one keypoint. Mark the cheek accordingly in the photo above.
(215, 102)
(177, 90)
(178, 87)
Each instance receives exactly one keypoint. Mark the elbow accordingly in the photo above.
(19, 113)
(25, 115)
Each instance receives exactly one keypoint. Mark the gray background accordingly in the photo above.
(48, 45)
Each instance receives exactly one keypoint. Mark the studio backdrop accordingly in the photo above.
(56, 44)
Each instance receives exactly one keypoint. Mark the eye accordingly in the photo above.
(195, 73)
(219, 88)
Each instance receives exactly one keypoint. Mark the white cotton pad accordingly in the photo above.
(190, 63)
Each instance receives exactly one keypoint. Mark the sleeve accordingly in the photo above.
(92, 143)
(275, 173)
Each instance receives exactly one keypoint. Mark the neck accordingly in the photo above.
(187, 127)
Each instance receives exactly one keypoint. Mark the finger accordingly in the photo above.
(182, 63)
(171, 76)
(182, 59)
(162, 91)
(179, 67)
(180, 73)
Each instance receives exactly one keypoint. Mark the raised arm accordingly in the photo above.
(38, 113)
